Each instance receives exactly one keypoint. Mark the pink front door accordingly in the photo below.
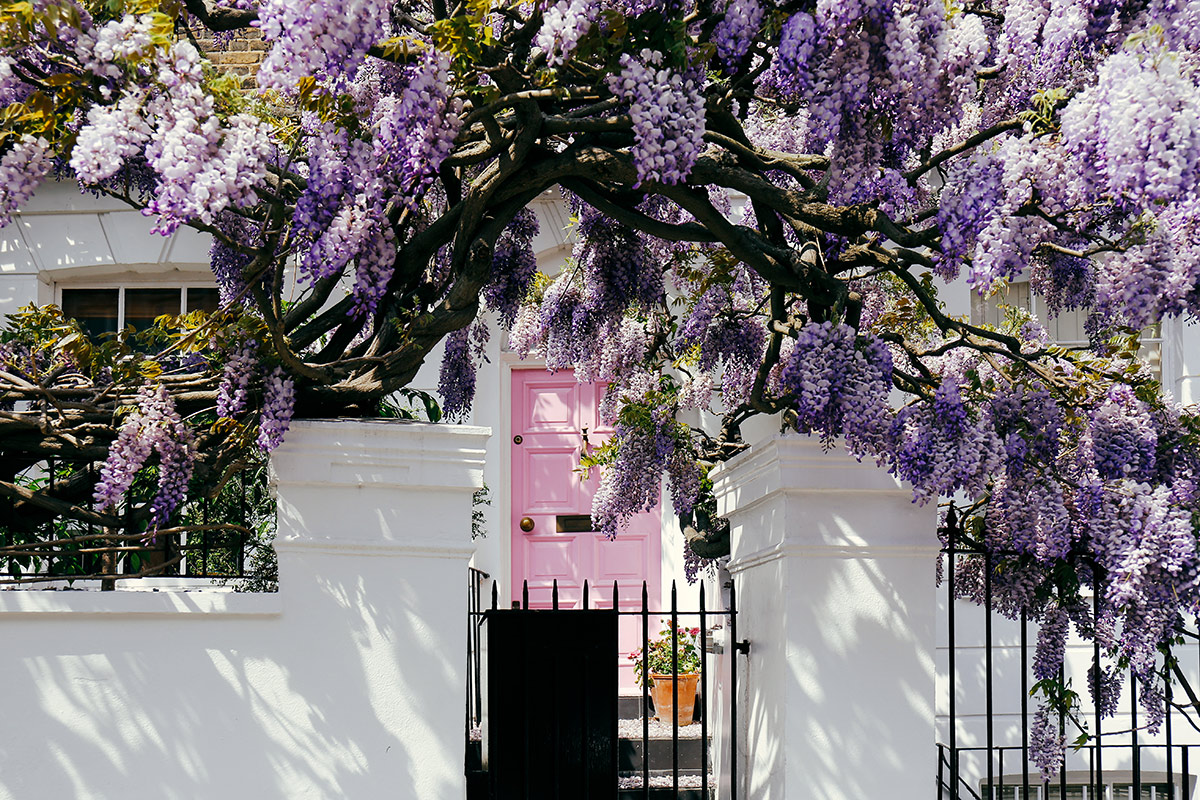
(550, 413)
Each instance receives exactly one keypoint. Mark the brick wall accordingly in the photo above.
(240, 55)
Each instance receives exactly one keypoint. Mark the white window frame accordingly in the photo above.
(123, 285)
(1152, 346)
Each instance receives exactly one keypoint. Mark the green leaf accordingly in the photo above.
(432, 409)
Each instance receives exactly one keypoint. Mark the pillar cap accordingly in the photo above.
(381, 454)
(798, 464)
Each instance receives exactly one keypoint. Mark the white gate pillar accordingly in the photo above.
(834, 570)
(375, 524)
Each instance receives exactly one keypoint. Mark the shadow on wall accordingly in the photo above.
(332, 690)
(860, 678)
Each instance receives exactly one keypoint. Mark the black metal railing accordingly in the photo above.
(52, 532)
(475, 582)
(1111, 761)
(706, 617)
(1082, 776)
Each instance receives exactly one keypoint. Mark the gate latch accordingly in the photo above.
(742, 647)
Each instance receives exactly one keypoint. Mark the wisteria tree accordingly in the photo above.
(766, 195)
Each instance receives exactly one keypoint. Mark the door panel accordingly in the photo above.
(550, 412)
(546, 492)
(553, 408)
(624, 557)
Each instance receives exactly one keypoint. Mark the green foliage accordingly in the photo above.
(127, 357)
(481, 498)
(659, 655)
(1043, 117)
(211, 533)
(248, 497)
(716, 267)
(537, 289)
(639, 414)
(410, 403)
(1061, 699)
(904, 313)
(465, 36)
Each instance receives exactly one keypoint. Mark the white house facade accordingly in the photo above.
(835, 566)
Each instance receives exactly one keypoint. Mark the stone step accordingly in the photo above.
(629, 788)
(633, 729)
(657, 793)
(631, 750)
(631, 756)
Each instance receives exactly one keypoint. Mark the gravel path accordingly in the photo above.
(632, 729)
(665, 782)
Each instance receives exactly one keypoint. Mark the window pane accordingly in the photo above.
(203, 300)
(1069, 328)
(987, 311)
(143, 305)
(96, 309)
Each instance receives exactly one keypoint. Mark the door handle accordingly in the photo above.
(527, 524)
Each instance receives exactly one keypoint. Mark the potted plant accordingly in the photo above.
(662, 679)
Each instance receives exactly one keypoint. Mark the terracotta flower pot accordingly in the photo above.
(661, 691)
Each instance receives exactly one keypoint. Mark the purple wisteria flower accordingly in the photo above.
(668, 116)
(153, 427)
(279, 398)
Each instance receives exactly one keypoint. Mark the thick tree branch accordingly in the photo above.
(220, 18)
(950, 152)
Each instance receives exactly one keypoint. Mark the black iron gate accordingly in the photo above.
(554, 727)
(552, 703)
(988, 753)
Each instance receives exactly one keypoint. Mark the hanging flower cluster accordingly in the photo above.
(153, 427)
(668, 117)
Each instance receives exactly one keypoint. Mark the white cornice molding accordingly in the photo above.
(797, 465)
(142, 603)
(377, 549)
(381, 454)
(848, 551)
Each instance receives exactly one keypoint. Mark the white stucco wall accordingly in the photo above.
(63, 236)
(1181, 360)
(834, 568)
(348, 683)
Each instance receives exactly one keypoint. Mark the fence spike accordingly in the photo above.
(495, 596)
(585, 594)
(674, 690)
(733, 691)
(1170, 739)
(554, 595)
(703, 695)
(525, 595)
(646, 691)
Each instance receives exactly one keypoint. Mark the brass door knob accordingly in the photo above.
(526, 524)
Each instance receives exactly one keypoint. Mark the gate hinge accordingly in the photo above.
(742, 647)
